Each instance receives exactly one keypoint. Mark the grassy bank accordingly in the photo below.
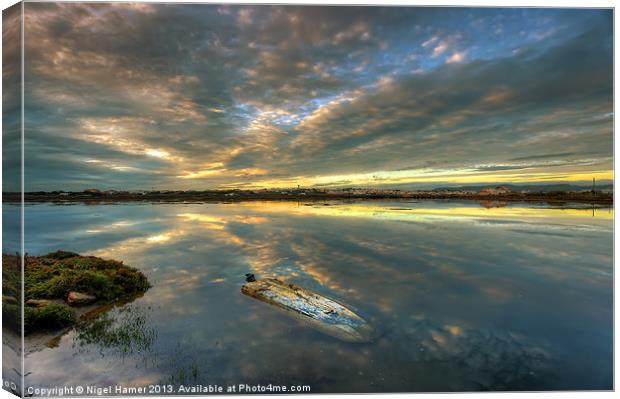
(55, 280)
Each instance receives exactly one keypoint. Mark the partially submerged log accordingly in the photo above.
(319, 312)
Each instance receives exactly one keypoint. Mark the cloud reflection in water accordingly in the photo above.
(467, 297)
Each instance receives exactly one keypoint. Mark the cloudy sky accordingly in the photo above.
(128, 96)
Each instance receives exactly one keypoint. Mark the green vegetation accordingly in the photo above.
(47, 318)
(11, 275)
(11, 316)
(11, 291)
(50, 317)
(124, 330)
(53, 276)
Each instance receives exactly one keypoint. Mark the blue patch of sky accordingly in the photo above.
(479, 34)
(483, 34)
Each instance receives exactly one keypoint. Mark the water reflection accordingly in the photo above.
(123, 332)
(467, 297)
(502, 359)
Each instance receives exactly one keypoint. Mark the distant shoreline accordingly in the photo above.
(554, 197)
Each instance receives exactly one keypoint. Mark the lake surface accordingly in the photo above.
(464, 296)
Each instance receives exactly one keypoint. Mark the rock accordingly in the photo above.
(79, 298)
(37, 303)
(9, 299)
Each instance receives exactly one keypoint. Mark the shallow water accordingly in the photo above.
(465, 297)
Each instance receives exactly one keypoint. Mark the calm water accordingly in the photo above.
(464, 297)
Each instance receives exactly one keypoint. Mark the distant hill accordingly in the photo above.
(529, 187)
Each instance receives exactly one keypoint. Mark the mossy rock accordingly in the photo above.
(54, 275)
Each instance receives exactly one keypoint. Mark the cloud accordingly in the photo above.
(440, 49)
(282, 93)
(456, 57)
(482, 107)
(11, 99)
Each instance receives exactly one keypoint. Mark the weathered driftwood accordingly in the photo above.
(319, 312)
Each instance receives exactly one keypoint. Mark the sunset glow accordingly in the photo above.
(213, 96)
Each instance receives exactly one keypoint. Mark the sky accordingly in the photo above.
(156, 96)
